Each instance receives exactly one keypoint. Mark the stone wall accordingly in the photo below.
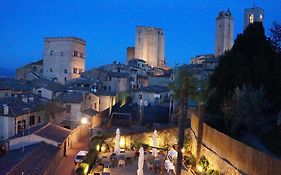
(231, 156)
(165, 138)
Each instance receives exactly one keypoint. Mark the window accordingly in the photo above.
(51, 70)
(19, 126)
(65, 71)
(251, 19)
(31, 120)
(68, 108)
(74, 70)
(109, 88)
(89, 97)
(51, 52)
(65, 78)
(61, 54)
(39, 119)
(75, 53)
(109, 78)
(39, 92)
(104, 87)
(95, 106)
(118, 69)
(81, 55)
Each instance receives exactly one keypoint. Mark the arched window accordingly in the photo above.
(51, 52)
(251, 19)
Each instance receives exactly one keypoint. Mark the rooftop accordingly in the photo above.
(22, 104)
(36, 161)
(70, 97)
(46, 130)
(13, 84)
(47, 84)
(156, 89)
(53, 132)
(65, 38)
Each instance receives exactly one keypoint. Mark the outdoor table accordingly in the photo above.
(169, 166)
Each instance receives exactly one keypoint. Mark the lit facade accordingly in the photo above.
(224, 32)
(251, 15)
(64, 58)
(150, 46)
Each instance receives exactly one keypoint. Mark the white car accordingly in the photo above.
(80, 156)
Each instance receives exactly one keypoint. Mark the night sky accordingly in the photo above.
(108, 26)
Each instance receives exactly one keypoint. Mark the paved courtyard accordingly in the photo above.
(131, 168)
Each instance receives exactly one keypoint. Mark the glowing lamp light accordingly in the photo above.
(122, 142)
(183, 150)
(199, 168)
(98, 147)
(84, 120)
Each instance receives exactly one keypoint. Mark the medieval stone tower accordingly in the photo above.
(251, 15)
(150, 45)
(224, 32)
(64, 58)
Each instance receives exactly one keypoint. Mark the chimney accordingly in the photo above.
(6, 109)
(31, 99)
(24, 99)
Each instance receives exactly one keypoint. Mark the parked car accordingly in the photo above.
(80, 156)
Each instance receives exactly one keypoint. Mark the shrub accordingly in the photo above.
(204, 163)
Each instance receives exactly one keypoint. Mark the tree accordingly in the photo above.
(275, 35)
(251, 61)
(245, 110)
(183, 88)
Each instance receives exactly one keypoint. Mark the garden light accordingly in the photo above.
(199, 168)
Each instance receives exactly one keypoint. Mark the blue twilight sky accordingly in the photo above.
(108, 26)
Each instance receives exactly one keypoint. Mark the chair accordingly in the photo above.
(121, 162)
(150, 166)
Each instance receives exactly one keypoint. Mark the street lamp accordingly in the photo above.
(84, 120)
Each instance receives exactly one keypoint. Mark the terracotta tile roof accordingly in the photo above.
(37, 161)
(47, 130)
(54, 132)
(12, 158)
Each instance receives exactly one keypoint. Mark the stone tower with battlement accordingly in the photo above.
(251, 15)
(150, 45)
(224, 32)
(64, 58)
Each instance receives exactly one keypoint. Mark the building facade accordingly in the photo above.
(224, 32)
(251, 15)
(150, 45)
(64, 58)
(130, 54)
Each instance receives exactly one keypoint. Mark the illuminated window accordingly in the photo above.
(260, 17)
(251, 19)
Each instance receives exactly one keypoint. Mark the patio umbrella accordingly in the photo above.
(117, 142)
(154, 150)
(140, 162)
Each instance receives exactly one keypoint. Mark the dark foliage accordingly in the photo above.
(252, 61)
(275, 35)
